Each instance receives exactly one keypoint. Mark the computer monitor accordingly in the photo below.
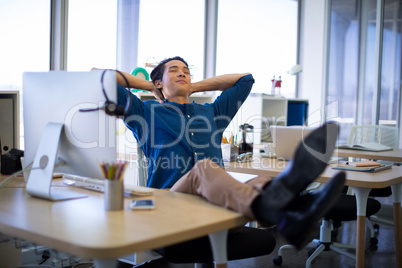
(61, 138)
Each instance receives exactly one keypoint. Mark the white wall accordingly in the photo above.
(312, 41)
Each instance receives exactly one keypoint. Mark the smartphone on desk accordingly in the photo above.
(142, 204)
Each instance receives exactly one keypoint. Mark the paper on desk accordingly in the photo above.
(242, 177)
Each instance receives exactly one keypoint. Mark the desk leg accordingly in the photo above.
(397, 196)
(105, 263)
(361, 202)
(218, 243)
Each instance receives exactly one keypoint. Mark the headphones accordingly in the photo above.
(111, 108)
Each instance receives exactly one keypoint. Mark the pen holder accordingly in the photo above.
(229, 152)
(114, 194)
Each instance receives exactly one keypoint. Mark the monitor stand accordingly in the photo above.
(40, 178)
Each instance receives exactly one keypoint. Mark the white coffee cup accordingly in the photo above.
(269, 148)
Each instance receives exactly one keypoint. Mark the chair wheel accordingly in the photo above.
(373, 241)
(373, 244)
(278, 260)
(376, 228)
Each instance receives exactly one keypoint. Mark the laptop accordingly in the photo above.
(287, 138)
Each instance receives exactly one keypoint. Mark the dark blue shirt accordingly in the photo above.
(175, 136)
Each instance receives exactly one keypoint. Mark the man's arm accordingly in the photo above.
(137, 83)
(221, 82)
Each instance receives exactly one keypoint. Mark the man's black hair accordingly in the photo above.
(157, 72)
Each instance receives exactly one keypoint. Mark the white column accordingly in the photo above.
(128, 20)
(58, 35)
(312, 44)
(210, 37)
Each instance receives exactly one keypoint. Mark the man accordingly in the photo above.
(182, 143)
(175, 134)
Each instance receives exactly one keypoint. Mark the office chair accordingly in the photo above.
(243, 242)
(384, 135)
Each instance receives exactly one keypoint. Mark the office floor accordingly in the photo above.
(384, 256)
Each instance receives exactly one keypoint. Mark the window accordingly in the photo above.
(258, 36)
(353, 65)
(172, 28)
(343, 65)
(25, 42)
(92, 28)
(391, 63)
(24, 31)
(368, 25)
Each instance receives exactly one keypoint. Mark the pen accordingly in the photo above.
(113, 171)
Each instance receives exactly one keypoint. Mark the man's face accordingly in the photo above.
(176, 79)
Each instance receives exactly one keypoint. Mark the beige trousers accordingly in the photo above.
(212, 182)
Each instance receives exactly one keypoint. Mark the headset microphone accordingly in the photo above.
(110, 107)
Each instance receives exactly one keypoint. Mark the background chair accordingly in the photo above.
(384, 135)
(243, 242)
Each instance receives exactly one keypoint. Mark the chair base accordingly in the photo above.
(319, 245)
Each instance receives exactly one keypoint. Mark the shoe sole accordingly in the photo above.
(280, 192)
(300, 238)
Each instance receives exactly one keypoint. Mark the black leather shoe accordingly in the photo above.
(308, 162)
(298, 223)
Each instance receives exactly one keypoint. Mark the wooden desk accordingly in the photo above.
(83, 228)
(396, 156)
(361, 182)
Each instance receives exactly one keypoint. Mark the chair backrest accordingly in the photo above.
(384, 135)
(142, 167)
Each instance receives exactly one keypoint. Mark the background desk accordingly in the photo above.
(83, 228)
(361, 182)
(394, 155)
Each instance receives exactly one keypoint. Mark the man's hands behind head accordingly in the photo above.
(157, 93)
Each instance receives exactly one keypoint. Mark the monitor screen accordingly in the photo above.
(85, 139)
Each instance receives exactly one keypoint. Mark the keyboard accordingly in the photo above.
(99, 185)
